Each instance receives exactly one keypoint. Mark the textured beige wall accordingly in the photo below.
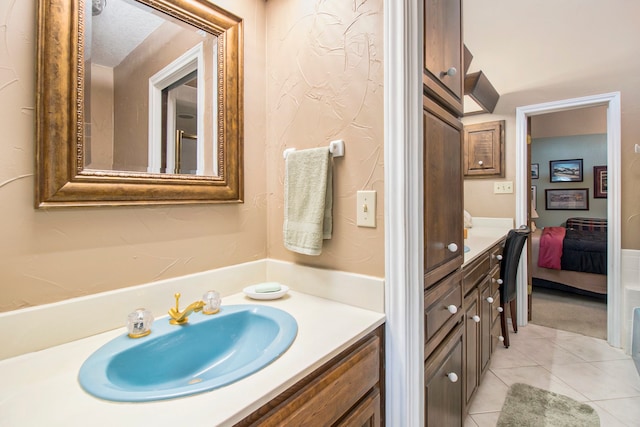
(53, 255)
(325, 82)
(101, 145)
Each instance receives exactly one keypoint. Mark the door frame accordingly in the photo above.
(612, 101)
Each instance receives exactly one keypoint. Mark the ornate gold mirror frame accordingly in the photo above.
(62, 179)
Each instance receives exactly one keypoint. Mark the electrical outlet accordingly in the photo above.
(366, 209)
(503, 187)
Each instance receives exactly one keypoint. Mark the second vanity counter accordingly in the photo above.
(41, 388)
(485, 233)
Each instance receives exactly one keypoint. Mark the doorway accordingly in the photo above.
(612, 102)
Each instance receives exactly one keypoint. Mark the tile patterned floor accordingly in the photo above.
(584, 368)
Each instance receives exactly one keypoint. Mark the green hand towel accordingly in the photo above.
(308, 200)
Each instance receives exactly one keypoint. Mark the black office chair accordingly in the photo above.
(508, 269)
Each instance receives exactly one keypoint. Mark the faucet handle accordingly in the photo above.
(139, 323)
(212, 302)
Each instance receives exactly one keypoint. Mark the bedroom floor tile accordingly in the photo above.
(584, 368)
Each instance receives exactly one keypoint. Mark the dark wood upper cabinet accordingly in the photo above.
(443, 52)
(484, 150)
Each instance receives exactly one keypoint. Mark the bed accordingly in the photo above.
(580, 266)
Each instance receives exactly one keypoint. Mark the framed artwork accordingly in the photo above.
(535, 169)
(534, 197)
(565, 170)
(600, 182)
(567, 199)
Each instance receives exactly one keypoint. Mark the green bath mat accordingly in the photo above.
(527, 406)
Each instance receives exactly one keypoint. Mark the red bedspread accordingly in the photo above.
(550, 254)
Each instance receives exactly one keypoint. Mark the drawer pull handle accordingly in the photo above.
(490, 300)
(453, 309)
(453, 377)
(452, 247)
(500, 281)
(500, 309)
(476, 318)
(450, 72)
(500, 338)
(498, 257)
(480, 162)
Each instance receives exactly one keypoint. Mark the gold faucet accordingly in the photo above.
(180, 318)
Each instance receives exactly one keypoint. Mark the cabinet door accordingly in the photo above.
(443, 218)
(443, 391)
(443, 51)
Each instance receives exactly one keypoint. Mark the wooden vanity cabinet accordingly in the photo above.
(443, 71)
(346, 391)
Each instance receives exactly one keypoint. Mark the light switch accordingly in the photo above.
(366, 209)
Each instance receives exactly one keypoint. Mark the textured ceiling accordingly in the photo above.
(120, 27)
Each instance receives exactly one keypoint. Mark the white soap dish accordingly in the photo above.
(250, 291)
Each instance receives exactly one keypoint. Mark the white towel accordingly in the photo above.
(308, 200)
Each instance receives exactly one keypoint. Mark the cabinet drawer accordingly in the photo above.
(325, 398)
(475, 272)
(437, 300)
(366, 414)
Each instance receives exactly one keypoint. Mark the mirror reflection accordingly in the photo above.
(150, 92)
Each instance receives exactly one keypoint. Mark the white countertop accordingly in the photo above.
(481, 237)
(41, 388)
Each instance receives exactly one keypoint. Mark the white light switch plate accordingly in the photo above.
(503, 187)
(366, 209)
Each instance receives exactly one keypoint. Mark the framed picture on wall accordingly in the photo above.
(565, 170)
(535, 169)
(567, 199)
(599, 182)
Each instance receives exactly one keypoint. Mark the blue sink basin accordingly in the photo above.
(204, 354)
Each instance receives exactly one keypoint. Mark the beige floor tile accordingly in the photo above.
(594, 383)
(490, 396)
(510, 358)
(468, 422)
(539, 377)
(625, 411)
(489, 419)
(546, 352)
(591, 349)
(621, 370)
(571, 364)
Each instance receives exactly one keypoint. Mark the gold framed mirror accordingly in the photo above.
(69, 167)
